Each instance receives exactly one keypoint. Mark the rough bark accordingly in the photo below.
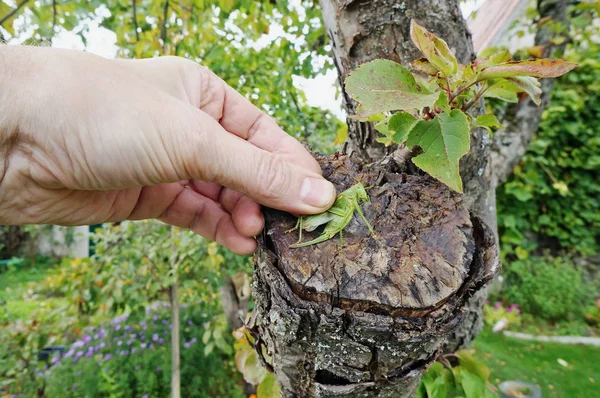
(522, 120)
(364, 319)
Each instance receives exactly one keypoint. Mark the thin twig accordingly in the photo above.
(135, 24)
(13, 12)
(163, 34)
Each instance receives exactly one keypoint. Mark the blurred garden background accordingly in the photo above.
(88, 312)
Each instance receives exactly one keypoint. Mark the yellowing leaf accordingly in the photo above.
(444, 140)
(536, 51)
(435, 49)
(382, 86)
(423, 65)
(488, 120)
(269, 387)
(532, 67)
(341, 134)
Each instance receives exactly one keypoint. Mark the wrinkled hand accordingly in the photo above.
(87, 140)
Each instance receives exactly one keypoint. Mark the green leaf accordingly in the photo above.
(444, 141)
(472, 385)
(488, 120)
(435, 49)
(254, 372)
(400, 126)
(470, 364)
(382, 86)
(503, 90)
(532, 67)
(423, 65)
(269, 388)
(443, 102)
(530, 85)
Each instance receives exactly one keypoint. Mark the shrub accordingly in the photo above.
(130, 358)
(548, 288)
(552, 200)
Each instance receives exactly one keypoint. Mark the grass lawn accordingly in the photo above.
(512, 359)
(14, 284)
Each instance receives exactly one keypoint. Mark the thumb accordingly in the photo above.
(266, 177)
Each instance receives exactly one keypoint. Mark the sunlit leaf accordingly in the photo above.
(434, 49)
(444, 141)
(384, 85)
(469, 363)
(269, 387)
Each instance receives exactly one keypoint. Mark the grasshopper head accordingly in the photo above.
(361, 193)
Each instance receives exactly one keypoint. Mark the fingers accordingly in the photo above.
(215, 155)
(245, 212)
(238, 116)
(206, 218)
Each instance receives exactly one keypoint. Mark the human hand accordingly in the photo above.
(87, 140)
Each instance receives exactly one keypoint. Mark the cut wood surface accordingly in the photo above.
(363, 320)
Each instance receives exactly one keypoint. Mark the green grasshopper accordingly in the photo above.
(336, 218)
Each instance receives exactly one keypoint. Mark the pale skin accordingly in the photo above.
(87, 140)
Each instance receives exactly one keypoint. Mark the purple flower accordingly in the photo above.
(119, 343)
(55, 360)
(133, 350)
(125, 352)
(89, 354)
(497, 305)
(155, 317)
(190, 323)
(137, 367)
(164, 321)
(79, 373)
(193, 340)
(78, 344)
(186, 345)
(79, 354)
(158, 369)
(87, 338)
(155, 337)
(107, 357)
(145, 396)
(118, 327)
(129, 342)
(161, 340)
(127, 328)
(74, 387)
(143, 346)
(151, 346)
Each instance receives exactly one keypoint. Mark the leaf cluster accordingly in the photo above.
(468, 378)
(428, 107)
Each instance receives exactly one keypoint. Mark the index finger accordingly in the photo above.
(240, 117)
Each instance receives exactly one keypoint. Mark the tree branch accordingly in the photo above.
(511, 142)
(13, 12)
(135, 24)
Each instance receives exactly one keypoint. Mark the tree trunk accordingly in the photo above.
(365, 319)
(175, 358)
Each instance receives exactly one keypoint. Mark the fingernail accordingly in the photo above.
(317, 192)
